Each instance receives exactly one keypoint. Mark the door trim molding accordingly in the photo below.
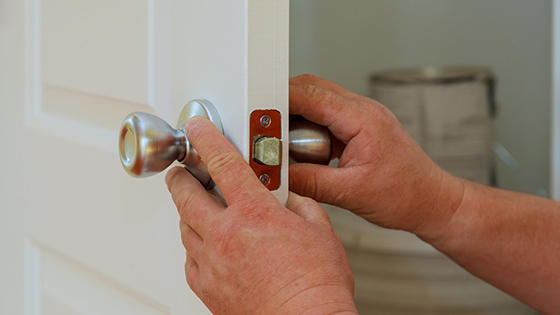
(555, 104)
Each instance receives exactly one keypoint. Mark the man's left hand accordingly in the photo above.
(255, 256)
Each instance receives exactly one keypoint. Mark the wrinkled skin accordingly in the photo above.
(506, 238)
(255, 256)
(383, 175)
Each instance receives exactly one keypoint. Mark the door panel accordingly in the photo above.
(78, 235)
(104, 44)
(90, 63)
(63, 287)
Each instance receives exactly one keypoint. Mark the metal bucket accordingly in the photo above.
(448, 111)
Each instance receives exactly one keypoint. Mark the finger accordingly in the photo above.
(307, 208)
(309, 79)
(192, 273)
(194, 204)
(321, 183)
(191, 240)
(327, 108)
(229, 170)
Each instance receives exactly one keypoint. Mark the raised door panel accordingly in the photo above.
(91, 63)
(79, 236)
(96, 241)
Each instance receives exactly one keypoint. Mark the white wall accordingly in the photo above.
(347, 40)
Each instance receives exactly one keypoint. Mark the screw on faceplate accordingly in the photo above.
(265, 121)
(265, 179)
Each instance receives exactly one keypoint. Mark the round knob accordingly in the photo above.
(310, 143)
(148, 145)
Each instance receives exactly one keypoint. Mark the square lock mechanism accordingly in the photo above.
(266, 146)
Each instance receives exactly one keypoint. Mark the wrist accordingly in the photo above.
(321, 300)
(438, 214)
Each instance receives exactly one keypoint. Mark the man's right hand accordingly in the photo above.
(383, 175)
(508, 239)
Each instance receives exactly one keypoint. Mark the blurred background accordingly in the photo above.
(348, 41)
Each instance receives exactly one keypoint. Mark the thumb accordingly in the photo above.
(307, 209)
(319, 182)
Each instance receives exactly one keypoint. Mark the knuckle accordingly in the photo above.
(185, 201)
(187, 239)
(170, 176)
(307, 202)
(183, 227)
(321, 97)
(315, 92)
(309, 187)
(224, 160)
(383, 113)
(190, 279)
(185, 242)
(307, 77)
(190, 275)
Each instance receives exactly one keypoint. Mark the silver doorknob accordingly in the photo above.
(310, 143)
(148, 145)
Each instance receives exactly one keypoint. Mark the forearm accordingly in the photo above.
(508, 239)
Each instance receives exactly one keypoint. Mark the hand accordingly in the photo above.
(383, 175)
(255, 256)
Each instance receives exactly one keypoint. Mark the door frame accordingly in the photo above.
(555, 103)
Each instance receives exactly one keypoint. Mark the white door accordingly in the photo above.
(77, 234)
